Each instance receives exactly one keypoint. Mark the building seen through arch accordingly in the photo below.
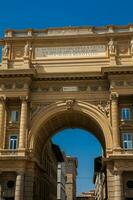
(61, 78)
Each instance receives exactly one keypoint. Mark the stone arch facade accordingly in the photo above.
(66, 77)
(89, 111)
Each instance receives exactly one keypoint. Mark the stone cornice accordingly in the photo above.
(105, 36)
(117, 70)
(91, 30)
(16, 73)
(36, 75)
(70, 32)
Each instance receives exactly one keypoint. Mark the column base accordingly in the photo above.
(26, 62)
(5, 63)
(117, 150)
(112, 60)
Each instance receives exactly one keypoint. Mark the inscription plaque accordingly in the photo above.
(90, 51)
(70, 89)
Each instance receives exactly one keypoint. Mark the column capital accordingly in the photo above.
(24, 98)
(118, 172)
(2, 98)
(19, 172)
(114, 96)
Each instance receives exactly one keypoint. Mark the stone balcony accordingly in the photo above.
(14, 154)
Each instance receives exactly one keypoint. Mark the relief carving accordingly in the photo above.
(36, 108)
(123, 49)
(18, 52)
(70, 103)
(105, 108)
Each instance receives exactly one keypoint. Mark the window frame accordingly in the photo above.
(11, 120)
(127, 141)
(9, 141)
(129, 113)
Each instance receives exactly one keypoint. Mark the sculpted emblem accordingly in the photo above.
(105, 108)
(70, 103)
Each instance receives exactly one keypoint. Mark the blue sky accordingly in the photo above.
(84, 146)
(43, 13)
(57, 13)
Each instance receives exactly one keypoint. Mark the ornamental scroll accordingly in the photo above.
(90, 51)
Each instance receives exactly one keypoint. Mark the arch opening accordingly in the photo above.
(82, 146)
(55, 118)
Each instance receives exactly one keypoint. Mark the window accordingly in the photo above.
(130, 184)
(127, 141)
(10, 184)
(14, 116)
(13, 140)
(125, 114)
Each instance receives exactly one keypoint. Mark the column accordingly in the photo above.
(23, 123)
(118, 188)
(2, 117)
(29, 185)
(115, 119)
(19, 190)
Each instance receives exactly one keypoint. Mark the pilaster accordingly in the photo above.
(115, 120)
(118, 182)
(19, 190)
(23, 122)
(2, 120)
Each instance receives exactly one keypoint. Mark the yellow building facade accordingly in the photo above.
(59, 78)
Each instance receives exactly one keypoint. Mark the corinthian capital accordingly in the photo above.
(2, 98)
(114, 96)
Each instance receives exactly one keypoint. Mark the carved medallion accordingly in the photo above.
(18, 52)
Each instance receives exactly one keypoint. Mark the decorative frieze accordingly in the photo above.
(93, 87)
(13, 85)
(121, 83)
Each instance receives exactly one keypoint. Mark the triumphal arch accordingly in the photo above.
(65, 77)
